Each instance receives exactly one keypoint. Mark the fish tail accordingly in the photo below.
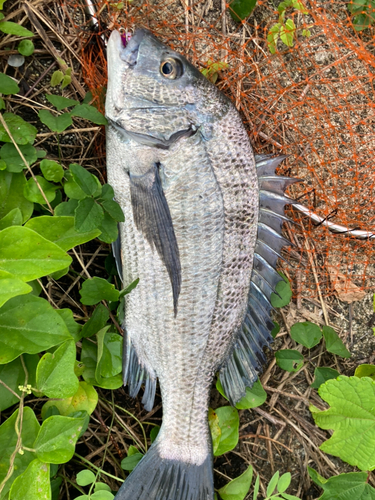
(158, 478)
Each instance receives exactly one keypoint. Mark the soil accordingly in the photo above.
(286, 438)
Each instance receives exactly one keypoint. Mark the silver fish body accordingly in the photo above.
(183, 171)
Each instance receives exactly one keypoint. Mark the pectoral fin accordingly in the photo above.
(153, 218)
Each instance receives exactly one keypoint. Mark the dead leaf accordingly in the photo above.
(346, 290)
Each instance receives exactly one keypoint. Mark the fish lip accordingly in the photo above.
(127, 53)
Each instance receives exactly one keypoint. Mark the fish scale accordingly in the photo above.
(203, 241)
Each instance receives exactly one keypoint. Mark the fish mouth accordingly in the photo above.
(129, 46)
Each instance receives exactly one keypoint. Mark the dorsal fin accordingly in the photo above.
(241, 368)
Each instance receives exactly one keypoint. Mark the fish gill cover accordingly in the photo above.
(313, 100)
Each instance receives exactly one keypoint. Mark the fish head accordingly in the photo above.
(156, 92)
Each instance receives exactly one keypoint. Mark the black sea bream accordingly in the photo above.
(202, 233)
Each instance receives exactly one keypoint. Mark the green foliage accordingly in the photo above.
(96, 289)
(322, 375)
(56, 123)
(285, 29)
(345, 486)
(255, 396)
(289, 360)
(283, 293)
(51, 170)
(89, 113)
(34, 483)
(22, 132)
(8, 85)
(333, 342)
(229, 425)
(362, 12)
(277, 486)
(238, 488)
(13, 160)
(365, 371)
(131, 461)
(84, 400)
(352, 417)
(241, 9)
(212, 70)
(26, 47)
(10, 28)
(306, 333)
(60, 102)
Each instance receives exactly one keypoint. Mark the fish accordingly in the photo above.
(202, 232)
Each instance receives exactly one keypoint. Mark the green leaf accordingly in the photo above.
(73, 327)
(289, 360)
(287, 32)
(33, 484)
(344, 486)
(322, 375)
(275, 330)
(101, 487)
(55, 375)
(85, 399)
(21, 131)
(357, 6)
(238, 488)
(109, 229)
(85, 477)
(56, 78)
(32, 192)
(29, 256)
(272, 38)
(11, 195)
(8, 442)
(97, 321)
(71, 188)
(352, 417)
(365, 371)
(85, 180)
(14, 29)
(109, 353)
(66, 208)
(114, 210)
(241, 9)
(55, 123)
(89, 357)
(13, 218)
(13, 160)
(229, 424)
(306, 333)
(284, 482)
(256, 488)
(154, 433)
(13, 375)
(96, 289)
(129, 288)
(88, 215)
(57, 438)
(107, 193)
(60, 102)
(284, 291)
(333, 342)
(51, 170)
(8, 85)
(26, 47)
(213, 422)
(362, 22)
(129, 463)
(102, 495)
(272, 484)
(60, 230)
(255, 396)
(11, 286)
(90, 113)
(29, 324)
(66, 81)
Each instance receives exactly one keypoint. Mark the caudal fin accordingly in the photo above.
(157, 478)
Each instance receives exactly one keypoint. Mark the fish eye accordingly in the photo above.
(171, 68)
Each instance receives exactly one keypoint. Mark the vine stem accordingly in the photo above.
(18, 429)
(4, 124)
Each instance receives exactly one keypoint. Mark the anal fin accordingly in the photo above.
(134, 375)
